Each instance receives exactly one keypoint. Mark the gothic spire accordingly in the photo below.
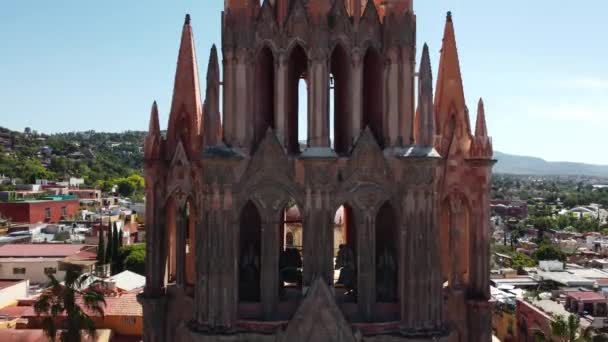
(186, 105)
(426, 120)
(154, 127)
(211, 121)
(152, 139)
(481, 129)
(449, 96)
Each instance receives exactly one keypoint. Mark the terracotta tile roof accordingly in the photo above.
(39, 250)
(602, 281)
(26, 335)
(37, 335)
(14, 311)
(122, 305)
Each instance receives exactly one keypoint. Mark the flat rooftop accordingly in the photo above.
(39, 250)
(4, 283)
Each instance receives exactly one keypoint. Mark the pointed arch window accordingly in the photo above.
(264, 94)
(339, 95)
(373, 70)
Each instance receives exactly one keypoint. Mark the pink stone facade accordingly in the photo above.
(412, 175)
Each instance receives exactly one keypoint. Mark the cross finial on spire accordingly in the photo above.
(449, 16)
(187, 22)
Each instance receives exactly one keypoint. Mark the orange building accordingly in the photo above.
(122, 314)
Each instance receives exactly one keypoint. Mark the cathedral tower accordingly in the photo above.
(318, 117)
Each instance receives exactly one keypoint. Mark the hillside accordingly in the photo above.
(92, 155)
(99, 157)
(522, 165)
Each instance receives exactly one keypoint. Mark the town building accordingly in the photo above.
(35, 261)
(123, 316)
(87, 196)
(49, 209)
(417, 182)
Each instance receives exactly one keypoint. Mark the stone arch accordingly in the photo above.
(373, 92)
(179, 267)
(339, 70)
(190, 211)
(249, 253)
(455, 227)
(346, 219)
(297, 69)
(290, 218)
(387, 252)
(264, 108)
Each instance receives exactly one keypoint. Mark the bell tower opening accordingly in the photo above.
(290, 258)
(372, 94)
(387, 254)
(345, 255)
(297, 92)
(190, 248)
(249, 254)
(265, 94)
(339, 100)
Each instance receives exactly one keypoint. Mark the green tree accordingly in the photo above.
(132, 258)
(548, 252)
(560, 327)
(61, 299)
(115, 247)
(110, 250)
(125, 188)
(101, 248)
(569, 329)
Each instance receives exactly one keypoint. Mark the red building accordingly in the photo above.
(48, 210)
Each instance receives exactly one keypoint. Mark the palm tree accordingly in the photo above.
(58, 300)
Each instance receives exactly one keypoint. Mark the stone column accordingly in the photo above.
(456, 226)
(280, 98)
(421, 276)
(391, 98)
(228, 131)
(155, 242)
(318, 248)
(215, 253)
(318, 114)
(406, 95)
(180, 246)
(408, 264)
(153, 299)
(228, 259)
(356, 95)
(366, 265)
(479, 253)
(201, 288)
(241, 92)
(269, 284)
(154, 318)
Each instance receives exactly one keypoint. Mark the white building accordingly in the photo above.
(11, 290)
(36, 261)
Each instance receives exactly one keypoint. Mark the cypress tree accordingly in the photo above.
(120, 238)
(120, 254)
(110, 250)
(115, 245)
(101, 248)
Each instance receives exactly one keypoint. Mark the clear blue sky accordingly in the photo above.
(540, 66)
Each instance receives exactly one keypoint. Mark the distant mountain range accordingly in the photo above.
(522, 165)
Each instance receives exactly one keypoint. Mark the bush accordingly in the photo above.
(132, 258)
